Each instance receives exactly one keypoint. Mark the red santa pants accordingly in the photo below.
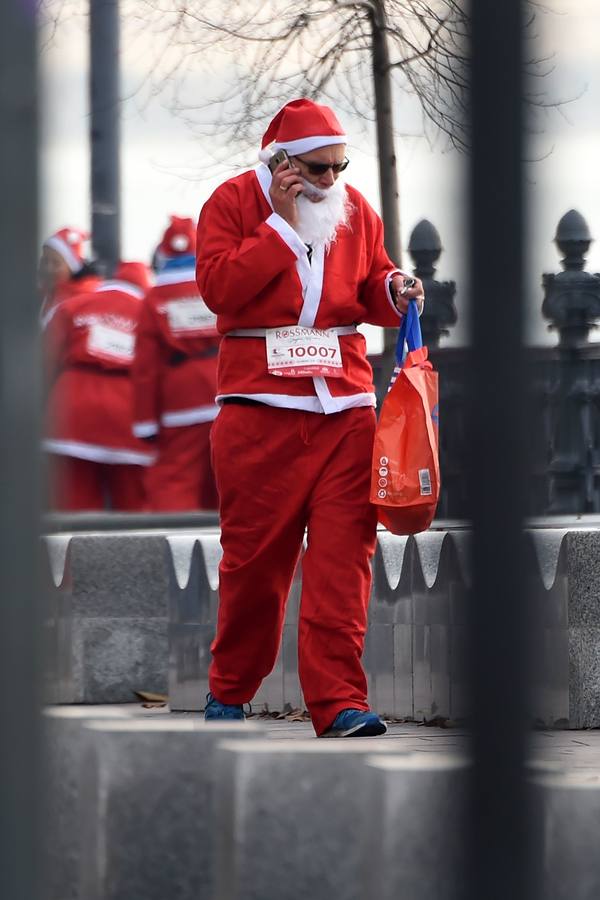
(182, 476)
(81, 484)
(278, 472)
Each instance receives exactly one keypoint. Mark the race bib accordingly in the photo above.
(190, 315)
(110, 343)
(296, 351)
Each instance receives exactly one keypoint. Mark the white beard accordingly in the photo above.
(319, 222)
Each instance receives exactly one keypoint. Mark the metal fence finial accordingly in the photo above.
(572, 297)
(425, 248)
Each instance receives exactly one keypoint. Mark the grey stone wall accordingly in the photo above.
(137, 611)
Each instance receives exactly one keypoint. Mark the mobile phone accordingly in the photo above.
(277, 159)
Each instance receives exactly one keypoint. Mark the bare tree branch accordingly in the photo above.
(225, 68)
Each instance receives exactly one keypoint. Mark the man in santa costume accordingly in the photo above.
(291, 262)
(95, 460)
(175, 378)
(63, 270)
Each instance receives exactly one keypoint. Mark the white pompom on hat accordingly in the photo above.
(179, 239)
(301, 126)
(68, 243)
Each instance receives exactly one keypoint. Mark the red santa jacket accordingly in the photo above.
(71, 288)
(175, 366)
(89, 347)
(253, 270)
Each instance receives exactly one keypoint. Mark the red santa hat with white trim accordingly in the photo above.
(301, 126)
(179, 239)
(68, 243)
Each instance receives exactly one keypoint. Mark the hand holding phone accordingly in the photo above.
(278, 158)
(286, 185)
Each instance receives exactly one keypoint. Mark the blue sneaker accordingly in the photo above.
(216, 710)
(355, 723)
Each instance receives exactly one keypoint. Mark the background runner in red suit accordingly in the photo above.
(292, 445)
(95, 461)
(175, 378)
(63, 271)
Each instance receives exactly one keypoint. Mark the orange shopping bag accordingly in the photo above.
(405, 476)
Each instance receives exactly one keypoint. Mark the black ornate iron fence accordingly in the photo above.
(563, 382)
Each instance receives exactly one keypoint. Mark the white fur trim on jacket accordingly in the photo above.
(190, 416)
(97, 453)
(145, 429)
(125, 287)
(175, 276)
(322, 403)
(287, 233)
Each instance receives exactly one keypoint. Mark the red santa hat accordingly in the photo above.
(179, 239)
(136, 273)
(68, 242)
(301, 126)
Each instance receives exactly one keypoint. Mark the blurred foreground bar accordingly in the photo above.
(499, 629)
(19, 527)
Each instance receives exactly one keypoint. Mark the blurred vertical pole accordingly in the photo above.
(20, 762)
(105, 131)
(387, 165)
(500, 632)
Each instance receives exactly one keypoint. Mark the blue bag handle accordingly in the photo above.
(409, 332)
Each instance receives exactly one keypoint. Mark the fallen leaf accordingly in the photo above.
(298, 715)
(438, 722)
(150, 697)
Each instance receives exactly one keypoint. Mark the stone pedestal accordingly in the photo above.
(565, 587)
(148, 826)
(291, 818)
(62, 729)
(415, 839)
(567, 823)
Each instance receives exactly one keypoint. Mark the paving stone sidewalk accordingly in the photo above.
(571, 750)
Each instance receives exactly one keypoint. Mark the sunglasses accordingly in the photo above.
(321, 168)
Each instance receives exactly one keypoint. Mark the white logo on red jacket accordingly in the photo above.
(111, 320)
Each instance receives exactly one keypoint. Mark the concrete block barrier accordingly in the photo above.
(415, 834)
(193, 566)
(290, 819)
(146, 808)
(430, 590)
(567, 822)
(63, 729)
(135, 611)
(416, 646)
(564, 583)
(108, 615)
(388, 655)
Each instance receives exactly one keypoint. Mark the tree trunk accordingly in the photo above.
(388, 173)
(384, 114)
